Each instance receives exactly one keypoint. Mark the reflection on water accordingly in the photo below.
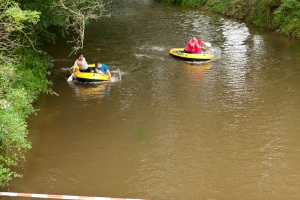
(196, 71)
(87, 91)
(235, 45)
(95, 90)
(237, 64)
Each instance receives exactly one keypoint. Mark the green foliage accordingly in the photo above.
(187, 3)
(218, 6)
(12, 126)
(283, 16)
(63, 17)
(50, 22)
(23, 70)
(176, 2)
(193, 3)
(19, 86)
(287, 18)
(13, 139)
(259, 16)
(15, 18)
(32, 72)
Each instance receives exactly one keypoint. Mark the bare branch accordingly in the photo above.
(77, 13)
(12, 22)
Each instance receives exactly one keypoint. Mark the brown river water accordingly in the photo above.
(169, 129)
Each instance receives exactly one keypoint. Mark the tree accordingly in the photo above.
(14, 26)
(77, 14)
(23, 71)
(66, 17)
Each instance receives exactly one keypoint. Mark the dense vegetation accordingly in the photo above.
(24, 26)
(282, 16)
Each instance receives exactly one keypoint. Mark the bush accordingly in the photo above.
(287, 18)
(283, 16)
(193, 3)
(19, 86)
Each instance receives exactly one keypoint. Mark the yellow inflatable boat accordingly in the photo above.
(88, 76)
(179, 53)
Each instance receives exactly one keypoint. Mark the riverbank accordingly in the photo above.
(276, 15)
(24, 68)
(21, 83)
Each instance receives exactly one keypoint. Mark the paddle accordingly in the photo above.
(207, 44)
(71, 77)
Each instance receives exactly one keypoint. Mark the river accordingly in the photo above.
(169, 129)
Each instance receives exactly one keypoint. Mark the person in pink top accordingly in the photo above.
(199, 45)
(189, 48)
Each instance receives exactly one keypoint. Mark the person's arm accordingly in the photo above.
(98, 71)
(192, 43)
(109, 74)
(205, 48)
(74, 66)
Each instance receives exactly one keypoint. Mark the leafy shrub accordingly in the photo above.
(193, 3)
(224, 7)
(287, 18)
(283, 16)
(19, 86)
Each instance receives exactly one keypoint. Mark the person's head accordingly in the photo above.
(79, 56)
(199, 39)
(194, 38)
(98, 64)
